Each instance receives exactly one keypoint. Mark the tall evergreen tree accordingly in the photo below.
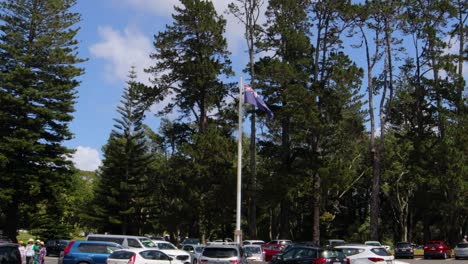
(190, 56)
(120, 205)
(38, 57)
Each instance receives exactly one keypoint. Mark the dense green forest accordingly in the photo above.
(370, 149)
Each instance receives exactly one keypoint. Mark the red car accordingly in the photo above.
(437, 248)
(270, 250)
(274, 247)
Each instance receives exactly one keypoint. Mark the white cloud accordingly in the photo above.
(122, 50)
(86, 158)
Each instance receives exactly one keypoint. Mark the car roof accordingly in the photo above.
(95, 242)
(105, 235)
(253, 246)
(224, 245)
(137, 250)
(356, 246)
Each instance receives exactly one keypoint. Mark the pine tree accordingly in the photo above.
(120, 205)
(190, 56)
(38, 54)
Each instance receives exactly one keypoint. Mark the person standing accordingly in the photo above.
(42, 252)
(36, 248)
(464, 239)
(22, 251)
(29, 251)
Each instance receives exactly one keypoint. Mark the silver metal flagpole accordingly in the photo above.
(238, 232)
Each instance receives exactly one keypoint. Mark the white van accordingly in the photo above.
(124, 240)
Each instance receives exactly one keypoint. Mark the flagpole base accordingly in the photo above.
(238, 236)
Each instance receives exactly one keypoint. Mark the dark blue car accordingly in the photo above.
(90, 252)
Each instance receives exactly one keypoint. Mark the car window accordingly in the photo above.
(403, 245)
(290, 254)
(351, 251)
(120, 254)
(332, 254)
(462, 245)
(93, 248)
(199, 249)
(166, 246)
(147, 242)
(220, 252)
(380, 251)
(10, 255)
(131, 242)
(153, 254)
(306, 252)
(118, 240)
(188, 248)
(253, 250)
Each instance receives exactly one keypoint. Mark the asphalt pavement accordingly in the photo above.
(417, 260)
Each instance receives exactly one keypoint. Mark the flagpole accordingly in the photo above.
(238, 232)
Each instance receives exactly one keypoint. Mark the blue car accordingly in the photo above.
(90, 252)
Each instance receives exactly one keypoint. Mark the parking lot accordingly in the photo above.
(417, 260)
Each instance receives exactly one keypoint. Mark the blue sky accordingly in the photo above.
(114, 35)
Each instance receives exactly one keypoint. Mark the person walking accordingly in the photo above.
(42, 253)
(22, 251)
(36, 248)
(29, 251)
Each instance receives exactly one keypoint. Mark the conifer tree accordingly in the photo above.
(190, 56)
(38, 57)
(120, 205)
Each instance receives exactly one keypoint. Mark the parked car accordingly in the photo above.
(404, 250)
(90, 252)
(5, 239)
(254, 252)
(138, 256)
(461, 250)
(194, 251)
(9, 253)
(190, 241)
(179, 256)
(253, 242)
(377, 244)
(301, 254)
(270, 250)
(365, 254)
(437, 248)
(334, 242)
(124, 240)
(55, 246)
(223, 253)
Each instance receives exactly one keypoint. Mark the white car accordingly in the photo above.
(254, 253)
(179, 256)
(195, 252)
(138, 256)
(377, 244)
(364, 254)
(253, 242)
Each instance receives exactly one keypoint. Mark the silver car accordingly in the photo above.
(223, 254)
(461, 250)
(254, 253)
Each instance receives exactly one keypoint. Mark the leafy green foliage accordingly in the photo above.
(37, 94)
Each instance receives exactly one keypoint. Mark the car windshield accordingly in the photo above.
(351, 251)
(253, 250)
(191, 241)
(219, 252)
(332, 254)
(403, 245)
(462, 245)
(198, 249)
(373, 244)
(380, 251)
(166, 246)
(147, 242)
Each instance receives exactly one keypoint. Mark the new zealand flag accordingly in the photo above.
(251, 97)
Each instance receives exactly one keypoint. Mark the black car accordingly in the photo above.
(300, 254)
(9, 253)
(404, 250)
(55, 246)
